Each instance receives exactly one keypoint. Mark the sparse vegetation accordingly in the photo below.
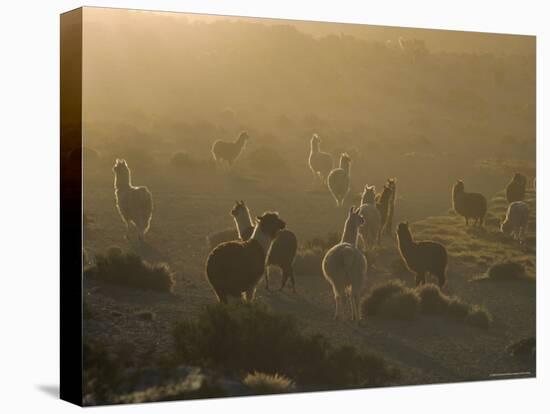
(393, 300)
(129, 270)
(261, 383)
(244, 338)
(524, 347)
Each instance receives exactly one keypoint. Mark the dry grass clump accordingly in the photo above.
(525, 347)
(244, 338)
(393, 300)
(261, 383)
(506, 271)
(128, 269)
(308, 261)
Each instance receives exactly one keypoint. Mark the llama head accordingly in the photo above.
(391, 183)
(315, 139)
(270, 223)
(519, 178)
(354, 218)
(369, 194)
(243, 136)
(458, 187)
(120, 167)
(403, 231)
(345, 160)
(239, 209)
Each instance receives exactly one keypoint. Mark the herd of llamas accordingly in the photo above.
(234, 268)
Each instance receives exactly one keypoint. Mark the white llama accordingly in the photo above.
(227, 152)
(320, 163)
(135, 204)
(345, 267)
(370, 231)
(338, 180)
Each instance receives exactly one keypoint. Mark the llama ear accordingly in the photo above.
(351, 210)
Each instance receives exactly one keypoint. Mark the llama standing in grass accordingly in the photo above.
(234, 268)
(320, 163)
(282, 251)
(370, 230)
(469, 205)
(386, 205)
(338, 180)
(135, 204)
(515, 190)
(516, 220)
(345, 267)
(227, 152)
(422, 257)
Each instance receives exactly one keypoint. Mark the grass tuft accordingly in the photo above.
(244, 338)
(261, 383)
(129, 270)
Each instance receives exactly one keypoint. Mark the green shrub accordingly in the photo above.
(243, 338)
(261, 383)
(128, 269)
(391, 300)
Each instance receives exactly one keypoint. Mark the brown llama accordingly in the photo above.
(422, 257)
(515, 190)
(469, 205)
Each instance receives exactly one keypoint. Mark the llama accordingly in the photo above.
(282, 251)
(386, 205)
(320, 163)
(370, 230)
(469, 205)
(515, 190)
(516, 220)
(422, 257)
(134, 204)
(338, 180)
(345, 267)
(234, 268)
(223, 151)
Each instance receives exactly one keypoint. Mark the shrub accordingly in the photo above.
(478, 317)
(261, 383)
(525, 347)
(147, 316)
(392, 300)
(128, 269)
(102, 373)
(506, 271)
(433, 301)
(243, 338)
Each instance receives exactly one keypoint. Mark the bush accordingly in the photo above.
(478, 317)
(392, 300)
(433, 301)
(525, 347)
(102, 373)
(128, 269)
(506, 271)
(243, 338)
(261, 383)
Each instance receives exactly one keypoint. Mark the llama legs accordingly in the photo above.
(420, 278)
(337, 300)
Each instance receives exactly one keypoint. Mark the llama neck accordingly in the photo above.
(350, 234)
(345, 166)
(243, 222)
(122, 182)
(314, 146)
(405, 241)
(262, 238)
